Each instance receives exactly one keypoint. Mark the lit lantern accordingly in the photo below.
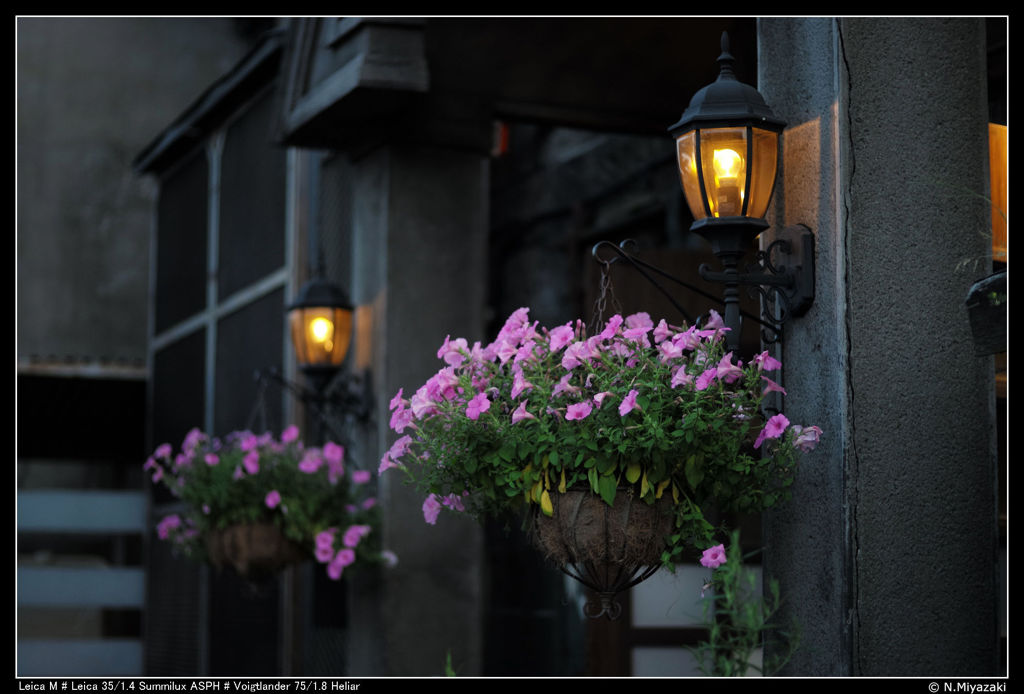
(727, 144)
(321, 328)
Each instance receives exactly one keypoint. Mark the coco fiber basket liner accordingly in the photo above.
(253, 550)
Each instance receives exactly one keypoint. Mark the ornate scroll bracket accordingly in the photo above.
(783, 275)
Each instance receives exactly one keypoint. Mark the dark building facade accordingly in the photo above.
(448, 171)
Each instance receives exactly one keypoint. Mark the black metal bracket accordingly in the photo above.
(346, 394)
(783, 275)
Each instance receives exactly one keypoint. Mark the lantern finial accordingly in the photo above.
(725, 60)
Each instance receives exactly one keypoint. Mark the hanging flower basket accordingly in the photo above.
(609, 549)
(615, 439)
(253, 549)
(256, 504)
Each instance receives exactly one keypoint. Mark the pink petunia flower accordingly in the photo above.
(519, 383)
(772, 386)
(453, 351)
(360, 476)
(611, 328)
(400, 419)
(506, 350)
(563, 386)
(628, 403)
(431, 509)
(806, 438)
(681, 378)
(396, 401)
(192, 439)
(580, 410)
(705, 379)
(311, 461)
(251, 461)
(163, 451)
(477, 406)
(773, 429)
(354, 535)
(642, 319)
(325, 538)
(272, 499)
(767, 362)
(520, 413)
(669, 351)
(333, 453)
(662, 332)
(453, 501)
(422, 405)
(290, 434)
(249, 442)
(560, 337)
(687, 340)
(324, 553)
(343, 558)
(713, 557)
(169, 523)
(577, 353)
(727, 371)
(211, 459)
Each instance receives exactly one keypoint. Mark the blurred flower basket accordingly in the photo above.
(614, 442)
(257, 504)
(252, 549)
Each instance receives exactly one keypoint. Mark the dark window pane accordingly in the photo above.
(178, 392)
(181, 243)
(172, 625)
(249, 339)
(252, 197)
(243, 626)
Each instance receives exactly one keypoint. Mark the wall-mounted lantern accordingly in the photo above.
(320, 320)
(727, 145)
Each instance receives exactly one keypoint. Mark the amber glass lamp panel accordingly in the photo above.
(723, 159)
(321, 335)
(688, 176)
(762, 173)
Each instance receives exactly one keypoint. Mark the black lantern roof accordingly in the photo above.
(727, 102)
(320, 292)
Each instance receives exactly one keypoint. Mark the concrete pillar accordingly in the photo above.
(887, 553)
(420, 221)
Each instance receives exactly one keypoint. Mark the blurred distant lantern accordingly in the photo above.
(321, 329)
(727, 146)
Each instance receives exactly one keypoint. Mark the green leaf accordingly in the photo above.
(545, 503)
(606, 485)
(592, 477)
(470, 464)
(633, 472)
(694, 471)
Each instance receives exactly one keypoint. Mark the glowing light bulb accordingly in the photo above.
(727, 163)
(321, 329)
(728, 195)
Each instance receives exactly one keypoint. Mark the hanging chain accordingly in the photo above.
(259, 405)
(601, 303)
